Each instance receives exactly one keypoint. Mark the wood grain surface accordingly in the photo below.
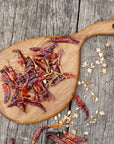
(24, 19)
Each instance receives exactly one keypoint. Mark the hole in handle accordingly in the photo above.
(113, 26)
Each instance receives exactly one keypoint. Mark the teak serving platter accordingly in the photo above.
(70, 62)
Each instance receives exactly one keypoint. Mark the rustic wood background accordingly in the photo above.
(25, 19)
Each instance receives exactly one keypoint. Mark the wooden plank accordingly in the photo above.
(101, 132)
(21, 20)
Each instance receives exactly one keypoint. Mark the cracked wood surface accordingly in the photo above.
(25, 19)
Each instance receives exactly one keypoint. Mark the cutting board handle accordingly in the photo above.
(100, 28)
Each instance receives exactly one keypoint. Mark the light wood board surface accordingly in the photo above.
(21, 20)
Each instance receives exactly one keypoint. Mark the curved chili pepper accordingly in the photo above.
(20, 100)
(42, 65)
(44, 51)
(6, 92)
(68, 141)
(37, 104)
(13, 73)
(23, 60)
(35, 49)
(63, 39)
(69, 75)
(5, 76)
(34, 81)
(41, 129)
(50, 96)
(74, 138)
(82, 105)
(38, 132)
(55, 138)
(12, 141)
(15, 94)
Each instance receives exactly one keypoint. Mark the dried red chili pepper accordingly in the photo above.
(13, 73)
(34, 81)
(38, 132)
(69, 75)
(75, 138)
(24, 91)
(12, 141)
(35, 49)
(68, 141)
(55, 138)
(28, 69)
(15, 94)
(42, 65)
(63, 39)
(20, 100)
(62, 77)
(5, 76)
(37, 104)
(44, 51)
(41, 129)
(47, 63)
(82, 105)
(23, 60)
(6, 92)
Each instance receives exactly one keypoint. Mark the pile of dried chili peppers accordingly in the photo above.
(40, 72)
(67, 138)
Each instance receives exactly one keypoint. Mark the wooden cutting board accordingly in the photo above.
(70, 62)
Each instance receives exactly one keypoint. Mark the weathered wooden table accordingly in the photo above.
(25, 19)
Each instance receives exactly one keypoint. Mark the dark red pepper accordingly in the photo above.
(12, 141)
(82, 105)
(45, 51)
(35, 49)
(55, 138)
(37, 104)
(6, 92)
(74, 138)
(63, 39)
(38, 132)
(23, 59)
(68, 141)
